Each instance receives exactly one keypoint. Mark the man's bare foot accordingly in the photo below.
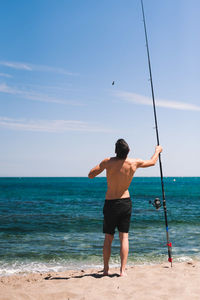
(123, 273)
(105, 274)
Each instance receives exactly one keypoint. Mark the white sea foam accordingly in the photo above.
(22, 268)
(7, 269)
(183, 259)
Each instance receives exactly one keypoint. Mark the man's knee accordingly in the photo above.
(123, 236)
(109, 238)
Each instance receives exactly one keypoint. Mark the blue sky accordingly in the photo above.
(60, 114)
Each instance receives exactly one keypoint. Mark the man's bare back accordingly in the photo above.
(120, 172)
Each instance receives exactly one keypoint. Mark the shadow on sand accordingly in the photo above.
(94, 275)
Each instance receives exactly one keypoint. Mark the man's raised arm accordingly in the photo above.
(151, 162)
(98, 169)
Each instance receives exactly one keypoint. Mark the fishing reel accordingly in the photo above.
(156, 203)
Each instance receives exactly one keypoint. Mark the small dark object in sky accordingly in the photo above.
(113, 83)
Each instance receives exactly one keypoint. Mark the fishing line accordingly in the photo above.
(169, 245)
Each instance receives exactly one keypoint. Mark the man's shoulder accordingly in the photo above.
(131, 160)
(105, 161)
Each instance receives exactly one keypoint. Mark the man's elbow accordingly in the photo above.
(90, 175)
(152, 163)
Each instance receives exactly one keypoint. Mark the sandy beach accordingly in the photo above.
(182, 281)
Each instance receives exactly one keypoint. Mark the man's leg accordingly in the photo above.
(123, 251)
(107, 251)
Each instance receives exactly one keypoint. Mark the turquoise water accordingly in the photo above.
(54, 224)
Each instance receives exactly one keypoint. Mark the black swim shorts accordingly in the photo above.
(117, 213)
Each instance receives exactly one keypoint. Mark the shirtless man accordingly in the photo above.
(118, 207)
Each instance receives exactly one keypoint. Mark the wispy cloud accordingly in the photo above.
(51, 126)
(16, 65)
(35, 67)
(139, 99)
(5, 75)
(30, 94)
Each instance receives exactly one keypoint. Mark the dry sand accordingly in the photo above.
(182, 281)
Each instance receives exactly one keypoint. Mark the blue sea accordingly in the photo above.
(55, 224)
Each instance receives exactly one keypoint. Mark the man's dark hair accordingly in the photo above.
(121, 148)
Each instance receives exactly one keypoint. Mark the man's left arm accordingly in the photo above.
(98, 169)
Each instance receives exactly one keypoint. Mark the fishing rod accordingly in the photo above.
(169, 245)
